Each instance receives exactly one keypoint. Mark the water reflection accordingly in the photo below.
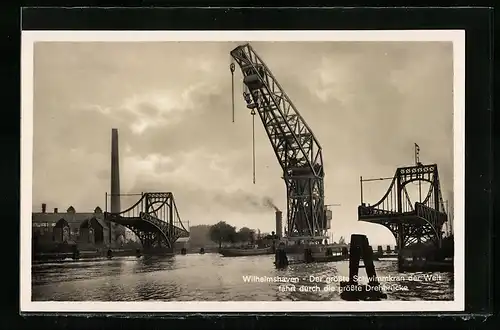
(210, 277)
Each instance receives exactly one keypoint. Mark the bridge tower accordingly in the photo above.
(410, 222)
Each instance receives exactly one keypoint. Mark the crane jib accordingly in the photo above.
(293, 142)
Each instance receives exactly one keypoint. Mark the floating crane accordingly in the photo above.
(297, 149)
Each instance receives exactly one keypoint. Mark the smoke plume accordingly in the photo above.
(244, 201)
(269, 203)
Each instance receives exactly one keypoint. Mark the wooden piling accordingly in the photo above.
(280, 257)
(351, 290)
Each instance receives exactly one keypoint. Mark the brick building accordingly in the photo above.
(87, 230)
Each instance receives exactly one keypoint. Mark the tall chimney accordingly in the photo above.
(44, 208)
(115, 173)
(279, 223)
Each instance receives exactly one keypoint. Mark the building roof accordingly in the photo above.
(99, 221)
(74, 219)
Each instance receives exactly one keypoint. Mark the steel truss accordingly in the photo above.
(410, 222)
(297, 149)
(154, 219)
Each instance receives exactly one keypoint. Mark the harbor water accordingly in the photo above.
(211, 277)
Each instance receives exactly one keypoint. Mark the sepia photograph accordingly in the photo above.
(242, 171)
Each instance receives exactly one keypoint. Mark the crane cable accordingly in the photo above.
(253, 143)
(232, 67)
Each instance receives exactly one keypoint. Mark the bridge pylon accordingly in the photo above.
(410, 222)
(154, 219)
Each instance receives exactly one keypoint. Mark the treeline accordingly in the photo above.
(223, 232)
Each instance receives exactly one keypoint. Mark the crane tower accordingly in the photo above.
(297, 149)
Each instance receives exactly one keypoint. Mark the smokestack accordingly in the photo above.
(115, 173)
(44, 207)
(279, 223)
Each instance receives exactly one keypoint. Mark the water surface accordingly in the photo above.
(211, 277)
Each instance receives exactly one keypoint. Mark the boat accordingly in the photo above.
(242, 252)
(316, 259)
(445, 266)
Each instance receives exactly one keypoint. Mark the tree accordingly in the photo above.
(222, 232)
(199, 236)
(246, 234)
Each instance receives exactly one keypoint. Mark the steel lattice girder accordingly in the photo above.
(154, 219)
(295, 146)
(424, 220)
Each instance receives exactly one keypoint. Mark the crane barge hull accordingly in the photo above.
(234, 252)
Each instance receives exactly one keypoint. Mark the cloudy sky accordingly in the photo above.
(367, 103)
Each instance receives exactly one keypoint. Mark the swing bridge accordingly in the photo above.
(411, 222)
(154, 219)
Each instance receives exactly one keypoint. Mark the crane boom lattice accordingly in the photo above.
(297, 149)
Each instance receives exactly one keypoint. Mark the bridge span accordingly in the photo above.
(155, 220)
(410, 222)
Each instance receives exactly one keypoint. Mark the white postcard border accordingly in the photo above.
(28, 38)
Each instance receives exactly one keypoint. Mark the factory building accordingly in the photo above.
(87, 230)
(83, 229)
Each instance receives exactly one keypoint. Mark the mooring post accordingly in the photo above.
(351, 290)
(354, 257)
(280, 256)
(368, 260)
